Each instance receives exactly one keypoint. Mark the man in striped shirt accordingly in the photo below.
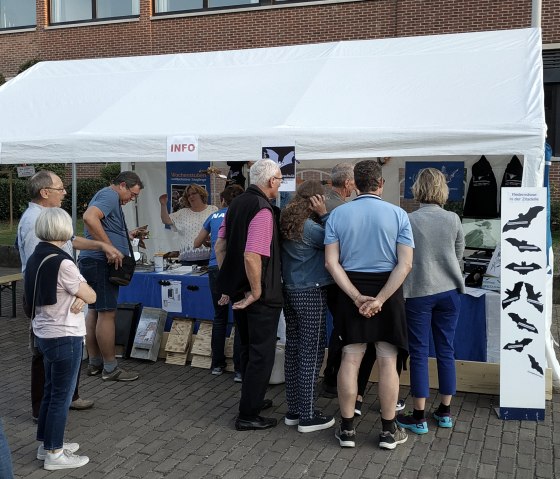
(248, 254)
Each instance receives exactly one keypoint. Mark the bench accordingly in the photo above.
(9, 282)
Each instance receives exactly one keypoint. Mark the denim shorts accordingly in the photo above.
(96, 273)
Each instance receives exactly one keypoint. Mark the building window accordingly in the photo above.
(75, 11)
(176, 6)
(17, 14)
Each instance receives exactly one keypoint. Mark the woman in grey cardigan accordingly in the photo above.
(432, 297)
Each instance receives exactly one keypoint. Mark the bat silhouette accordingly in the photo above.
(523, 220)
(513, 295)
(522, 323)
(533, 298)
(518, 345)
(523, 268)
(286, 160)
(522, 246)
(535, 364)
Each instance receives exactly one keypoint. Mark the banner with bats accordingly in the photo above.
(522, 324)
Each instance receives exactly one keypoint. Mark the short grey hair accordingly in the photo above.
(39, 181)
(340, 173)
(54, 224)
(262, 171)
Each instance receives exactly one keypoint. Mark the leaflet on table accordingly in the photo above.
(171, 297)
(178, 271)
(475, 292)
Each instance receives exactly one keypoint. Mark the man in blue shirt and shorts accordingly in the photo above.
(104, 221)
(368, 251)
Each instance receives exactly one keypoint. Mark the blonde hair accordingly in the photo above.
(430, 187)
(54, 224)
(198, 190)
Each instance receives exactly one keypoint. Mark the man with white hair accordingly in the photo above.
(248, 254)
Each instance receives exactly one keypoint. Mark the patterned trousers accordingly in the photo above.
(306, 315)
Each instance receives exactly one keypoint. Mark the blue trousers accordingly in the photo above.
(62, 358)
(219, 327)
(306, 316)
(437, 313)
(6, 471)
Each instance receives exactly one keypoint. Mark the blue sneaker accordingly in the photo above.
(407, 421)
(444, 419)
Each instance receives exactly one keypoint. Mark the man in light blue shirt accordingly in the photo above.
(368, 251)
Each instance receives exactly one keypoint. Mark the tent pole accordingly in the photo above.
(74, 195)
(536, 11)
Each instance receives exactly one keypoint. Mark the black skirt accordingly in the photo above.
(389, 325)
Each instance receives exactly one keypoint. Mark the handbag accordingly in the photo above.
(123, 275)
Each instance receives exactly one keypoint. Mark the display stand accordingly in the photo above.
(149, 333)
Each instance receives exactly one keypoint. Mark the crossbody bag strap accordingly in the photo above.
(35, 285)
(126, 235)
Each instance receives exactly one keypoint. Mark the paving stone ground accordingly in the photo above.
(177, 422)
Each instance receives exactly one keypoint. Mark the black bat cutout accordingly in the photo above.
(523, 220)
(518, 345)
(522, 323)
(523, 246)
(523, 268)
(535, 364)
(513, 295)
(533, 298)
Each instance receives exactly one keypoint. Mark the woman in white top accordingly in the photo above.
(59, 328)
(188, 222)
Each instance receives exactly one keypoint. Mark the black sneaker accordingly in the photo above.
(316, 423)
(346, 438)
(389, 440)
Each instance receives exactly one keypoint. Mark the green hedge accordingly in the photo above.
(87, 187)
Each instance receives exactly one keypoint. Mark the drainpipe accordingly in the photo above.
(536, 10)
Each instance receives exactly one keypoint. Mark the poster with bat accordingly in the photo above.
(283, 152)
(522, 320)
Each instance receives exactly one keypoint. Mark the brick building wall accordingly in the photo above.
(264, 27)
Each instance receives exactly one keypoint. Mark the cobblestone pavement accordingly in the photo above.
(177, 422)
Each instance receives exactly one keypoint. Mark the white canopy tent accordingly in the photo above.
(472, 93)
(452, 96)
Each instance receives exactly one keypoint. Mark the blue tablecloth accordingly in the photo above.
(196, 299)
(145, 288)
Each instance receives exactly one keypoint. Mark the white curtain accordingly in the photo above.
(162, 6)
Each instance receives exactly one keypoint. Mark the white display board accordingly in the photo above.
(523, 284)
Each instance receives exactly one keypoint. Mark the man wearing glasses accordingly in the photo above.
(46, 190)
(104, 221)
(248, 255)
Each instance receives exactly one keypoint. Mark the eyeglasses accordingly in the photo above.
(132, 193)
(56, 189)
(276, 178)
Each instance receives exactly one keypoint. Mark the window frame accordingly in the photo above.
(241, 6)
(93, 19)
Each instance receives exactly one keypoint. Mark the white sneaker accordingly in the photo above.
(64, 460)
(68, 446)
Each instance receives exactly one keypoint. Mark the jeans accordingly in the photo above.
(219, 327)
(62, 357)
(6, 470)
(437, 313)
(38, 380)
